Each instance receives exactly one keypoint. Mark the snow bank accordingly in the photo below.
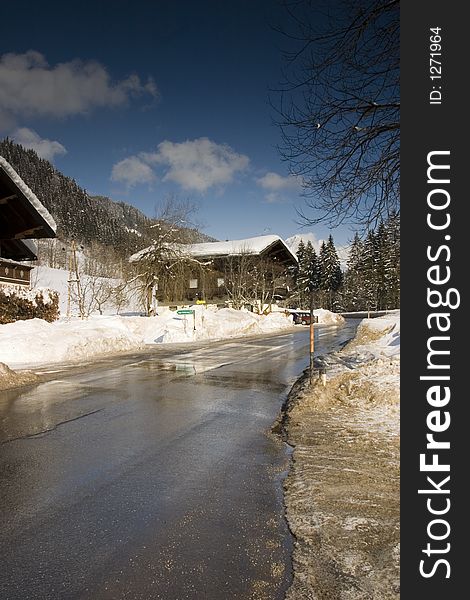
(368, 368)
(326, 317)
(378, 337)
(10, 379)
(35, 342)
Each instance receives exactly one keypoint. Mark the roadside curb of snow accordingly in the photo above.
(321, 564)
(279, 430)
(10, 379)
(298, 389)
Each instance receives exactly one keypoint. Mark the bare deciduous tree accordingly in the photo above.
(100, 272)
(238, 277)
(339, 108)
(52, 253)
(251, 279)
(266, 277)
(161, 263)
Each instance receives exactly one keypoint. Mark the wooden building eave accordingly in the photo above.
(22, 216)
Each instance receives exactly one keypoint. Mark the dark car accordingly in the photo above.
(303, 317)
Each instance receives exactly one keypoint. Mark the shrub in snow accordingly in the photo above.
(17, 304)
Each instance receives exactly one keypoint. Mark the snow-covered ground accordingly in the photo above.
(36, 342)
(57, 279)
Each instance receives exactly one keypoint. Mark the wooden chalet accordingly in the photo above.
(212, 268)
(22, 219)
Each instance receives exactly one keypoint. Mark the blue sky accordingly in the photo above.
(138, 100)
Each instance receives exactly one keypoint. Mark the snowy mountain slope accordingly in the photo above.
(294, 240)
(78, 214)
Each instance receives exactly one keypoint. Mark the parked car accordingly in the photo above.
(302, 317)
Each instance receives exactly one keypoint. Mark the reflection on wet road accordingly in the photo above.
(152, 476)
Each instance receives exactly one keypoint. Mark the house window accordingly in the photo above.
(193, 284)
(220, 281)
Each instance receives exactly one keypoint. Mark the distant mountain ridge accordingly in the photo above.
(79, 215)
(294, 241)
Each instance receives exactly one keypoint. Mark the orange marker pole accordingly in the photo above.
(312, 338)
(312, 347)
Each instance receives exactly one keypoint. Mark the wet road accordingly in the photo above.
(153, 475)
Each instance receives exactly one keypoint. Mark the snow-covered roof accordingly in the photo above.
(254, 245)
(15, 263)
(34, 216)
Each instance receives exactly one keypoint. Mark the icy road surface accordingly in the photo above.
(152, 476)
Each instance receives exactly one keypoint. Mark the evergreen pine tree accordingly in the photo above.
(370, 274)
(392, 262)
(301, 252)
(372, 279)
(313, 282)
(298, 274)
(306, 275)
(322, 273)
(381, 250)
(331, 276)
(305, 282)
(353, 289)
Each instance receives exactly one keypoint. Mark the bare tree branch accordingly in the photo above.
(338, 109)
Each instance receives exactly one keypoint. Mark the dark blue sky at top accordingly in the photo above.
(213, 63)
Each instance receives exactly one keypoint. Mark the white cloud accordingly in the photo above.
(30, 87)
(276, 186)
(28, 138)
(198, 164)
(132, 171)
(273, 198)
(195, 165)
(275, 182)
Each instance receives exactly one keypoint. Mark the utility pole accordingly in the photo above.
(312, 336)
(74, 277)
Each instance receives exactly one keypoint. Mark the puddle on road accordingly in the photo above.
(246, 381)
(181, 368)
(41, 396)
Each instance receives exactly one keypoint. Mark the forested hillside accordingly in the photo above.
(78, 215)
